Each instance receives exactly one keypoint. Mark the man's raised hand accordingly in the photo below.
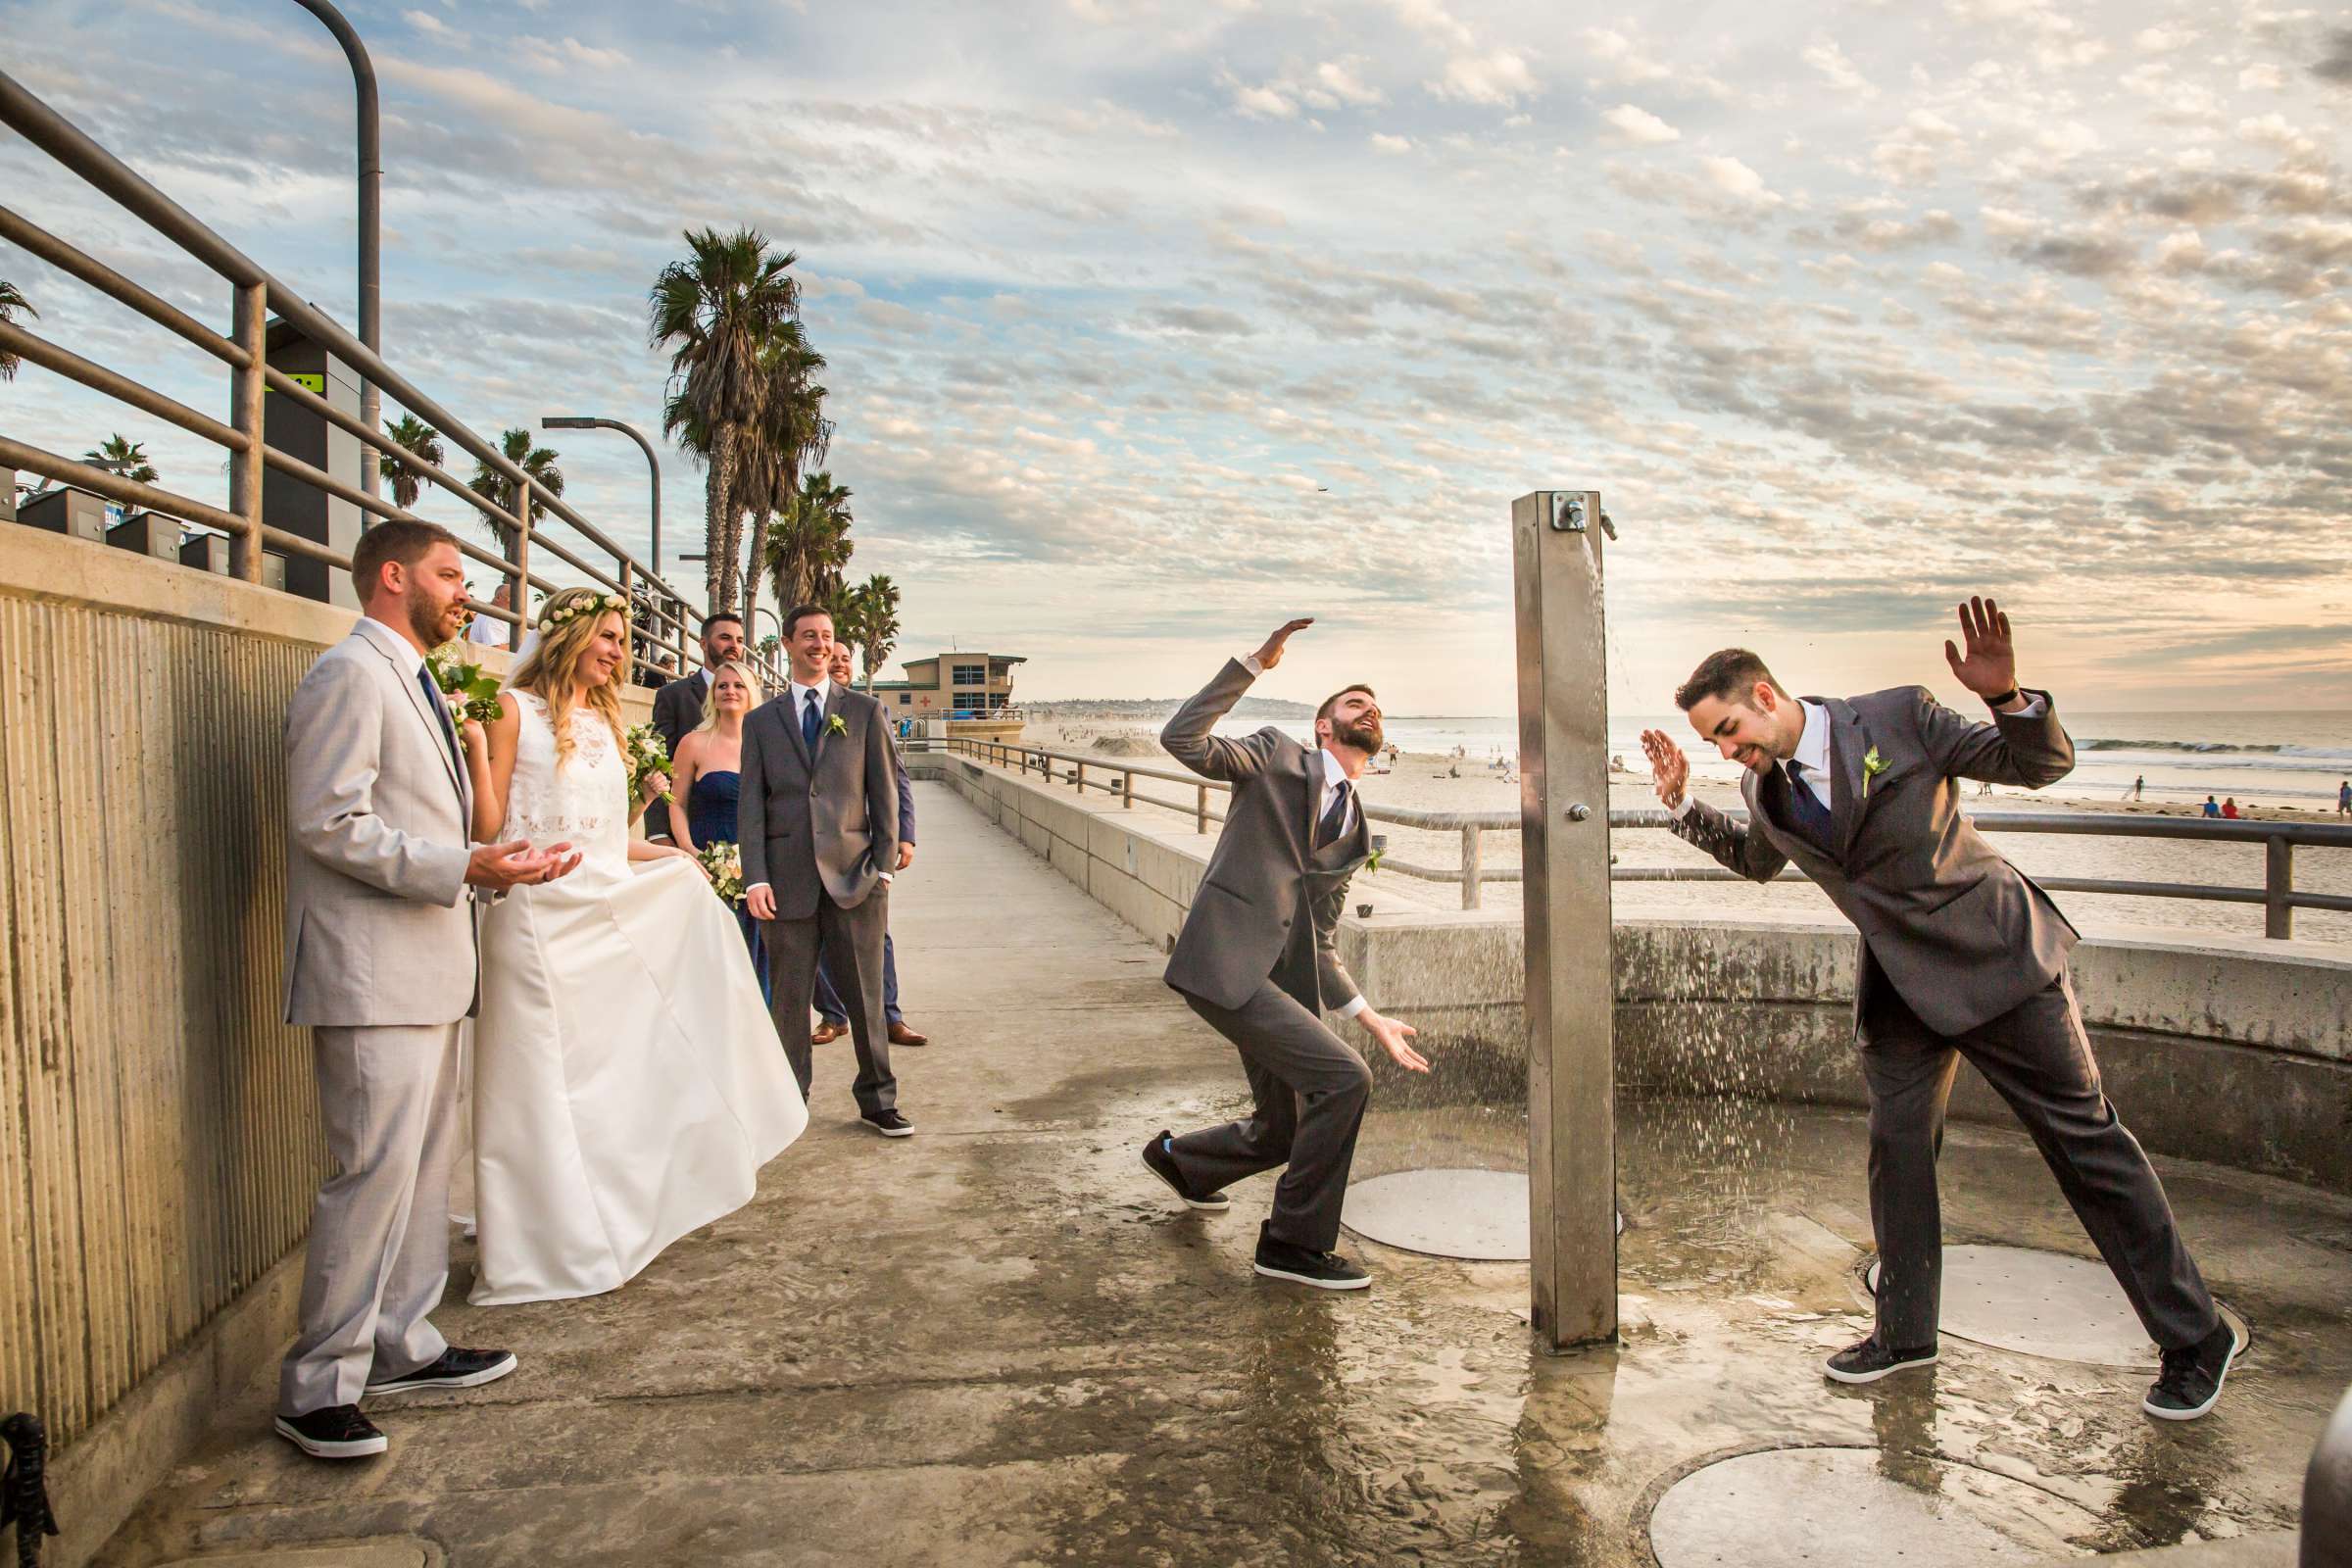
(1269, 652)
(1989, 666)
(1669, 768)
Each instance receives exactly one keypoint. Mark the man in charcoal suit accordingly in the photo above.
(820, 819)
(678, 705)
(1258, 959)
(1962, 955)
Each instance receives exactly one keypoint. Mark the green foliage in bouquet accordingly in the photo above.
(724, 863)
(471, 691)
(647, 755)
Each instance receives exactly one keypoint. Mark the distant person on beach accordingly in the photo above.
(1961, 955)
(2139, 787)
(2343, 798)
(2230, 809)
(2213, 808)
(1258, 959)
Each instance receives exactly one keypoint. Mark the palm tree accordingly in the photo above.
(123, 455)
(421, 438)
(10, 302)
(811, 544)
(792, 432)
(493, 485)
(877, 621)
(716, 312)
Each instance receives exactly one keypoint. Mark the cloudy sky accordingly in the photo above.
(1154, 322)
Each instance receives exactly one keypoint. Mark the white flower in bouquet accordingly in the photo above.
(724, 862)
(648, 756)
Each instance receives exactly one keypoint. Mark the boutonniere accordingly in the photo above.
(1873, 764)
(1372, 861)
(834, 726)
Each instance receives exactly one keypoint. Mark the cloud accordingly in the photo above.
(1736, 180)
(1500, 76)
(1639, 125)
(1339, 80)
(2334, 67)
(1823, 56)
(1201, 318)
(1390, 146)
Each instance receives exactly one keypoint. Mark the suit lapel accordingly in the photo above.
(1314, 807)
(824, 725)
(1849, 742)
(425, 716)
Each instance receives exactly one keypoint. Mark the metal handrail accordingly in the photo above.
(2278, 895)
(257, 292)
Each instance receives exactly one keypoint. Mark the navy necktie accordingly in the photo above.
(432, 699)
(808, 717)
(1805, 810)
(1334, 819)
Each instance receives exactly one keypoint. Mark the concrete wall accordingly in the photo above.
(158, 1142)
(2231, 1049)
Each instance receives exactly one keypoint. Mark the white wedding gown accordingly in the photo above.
(627, 1081)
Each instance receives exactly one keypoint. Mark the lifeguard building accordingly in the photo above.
(956, 685)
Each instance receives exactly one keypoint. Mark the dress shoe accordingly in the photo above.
(1162, 1164)
(889, 1124)
(2189, 1380)
(824, 1034)
(1870, 1360)
(1302, 1265)
(900, 1035)
(458, 1369)
(338, 1432)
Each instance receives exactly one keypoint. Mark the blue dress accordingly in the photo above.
(710, 808)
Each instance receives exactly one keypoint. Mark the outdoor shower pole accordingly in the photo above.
(1571, 988)
(372, 227)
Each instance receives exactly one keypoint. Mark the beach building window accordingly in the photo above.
(970, 675)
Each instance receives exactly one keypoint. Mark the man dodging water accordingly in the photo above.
(1258, 959)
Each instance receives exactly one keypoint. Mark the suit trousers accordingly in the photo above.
(2037, 1057)
(850, 941)
(1309, 1089)
(378, 1256)
(829, 999)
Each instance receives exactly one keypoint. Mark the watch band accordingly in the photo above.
(2009, 696)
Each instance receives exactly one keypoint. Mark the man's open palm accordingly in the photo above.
(1269, 652)
(1989, 665)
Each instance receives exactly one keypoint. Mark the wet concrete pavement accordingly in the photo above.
(999, 1343)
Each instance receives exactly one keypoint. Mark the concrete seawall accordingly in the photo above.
(2234, 1050)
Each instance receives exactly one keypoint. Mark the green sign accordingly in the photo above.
(316, 383)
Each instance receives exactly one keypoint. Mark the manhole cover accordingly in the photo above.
(2043, 1303)
(1451, 1213)
(1829, 1507)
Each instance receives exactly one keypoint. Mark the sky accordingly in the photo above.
(1154, 323)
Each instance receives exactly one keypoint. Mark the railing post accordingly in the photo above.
(1201, 809)
(1078, 777)
(1127, 790)
(2277, 881)
(246, 414)
(1470, 866)
(522, 565)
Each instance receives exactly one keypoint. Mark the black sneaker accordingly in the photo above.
(889, 1124)
(1868, 1361)
(1325, 1271)
(338, 1432)
(1162, 1164)
(456, 1369)
(2190, 1383)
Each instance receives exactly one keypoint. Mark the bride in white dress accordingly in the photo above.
(628, 1083)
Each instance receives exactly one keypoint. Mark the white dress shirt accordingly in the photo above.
(1329, 773)
(1813, 754)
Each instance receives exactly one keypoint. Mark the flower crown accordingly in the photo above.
(596, 605)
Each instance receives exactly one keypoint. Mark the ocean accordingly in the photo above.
(2292, 758)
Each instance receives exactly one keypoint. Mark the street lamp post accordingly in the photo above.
(582, 421)
(371, 225)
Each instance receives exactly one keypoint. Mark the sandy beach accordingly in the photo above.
(1426, 782)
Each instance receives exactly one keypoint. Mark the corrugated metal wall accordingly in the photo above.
(160, 1146)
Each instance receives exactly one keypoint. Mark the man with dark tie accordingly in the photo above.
(1258, 959)
(833, 1017)
(1962, 955)
(678, 706)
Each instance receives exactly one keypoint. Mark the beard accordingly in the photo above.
(434, 621)
(1364, 734)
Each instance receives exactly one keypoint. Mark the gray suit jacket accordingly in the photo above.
(379, 921)
(828, 821)
(677, 710)
(1266, 883)
(1961, 934)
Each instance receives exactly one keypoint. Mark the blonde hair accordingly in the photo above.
(567, 623)
(742, 671)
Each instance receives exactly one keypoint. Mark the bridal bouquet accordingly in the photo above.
(648, 756)
(469, 690)
(724, 863)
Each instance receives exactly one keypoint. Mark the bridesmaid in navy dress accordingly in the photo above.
(705, 771)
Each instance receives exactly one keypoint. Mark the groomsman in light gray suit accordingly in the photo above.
(381, 963)
(1258, 958)
(1962, 957)
(818, 815)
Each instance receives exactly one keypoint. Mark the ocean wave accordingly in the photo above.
(2199, 748)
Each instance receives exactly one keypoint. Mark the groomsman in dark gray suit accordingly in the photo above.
(1258, 959)
(1962, 955)
(818, 813)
